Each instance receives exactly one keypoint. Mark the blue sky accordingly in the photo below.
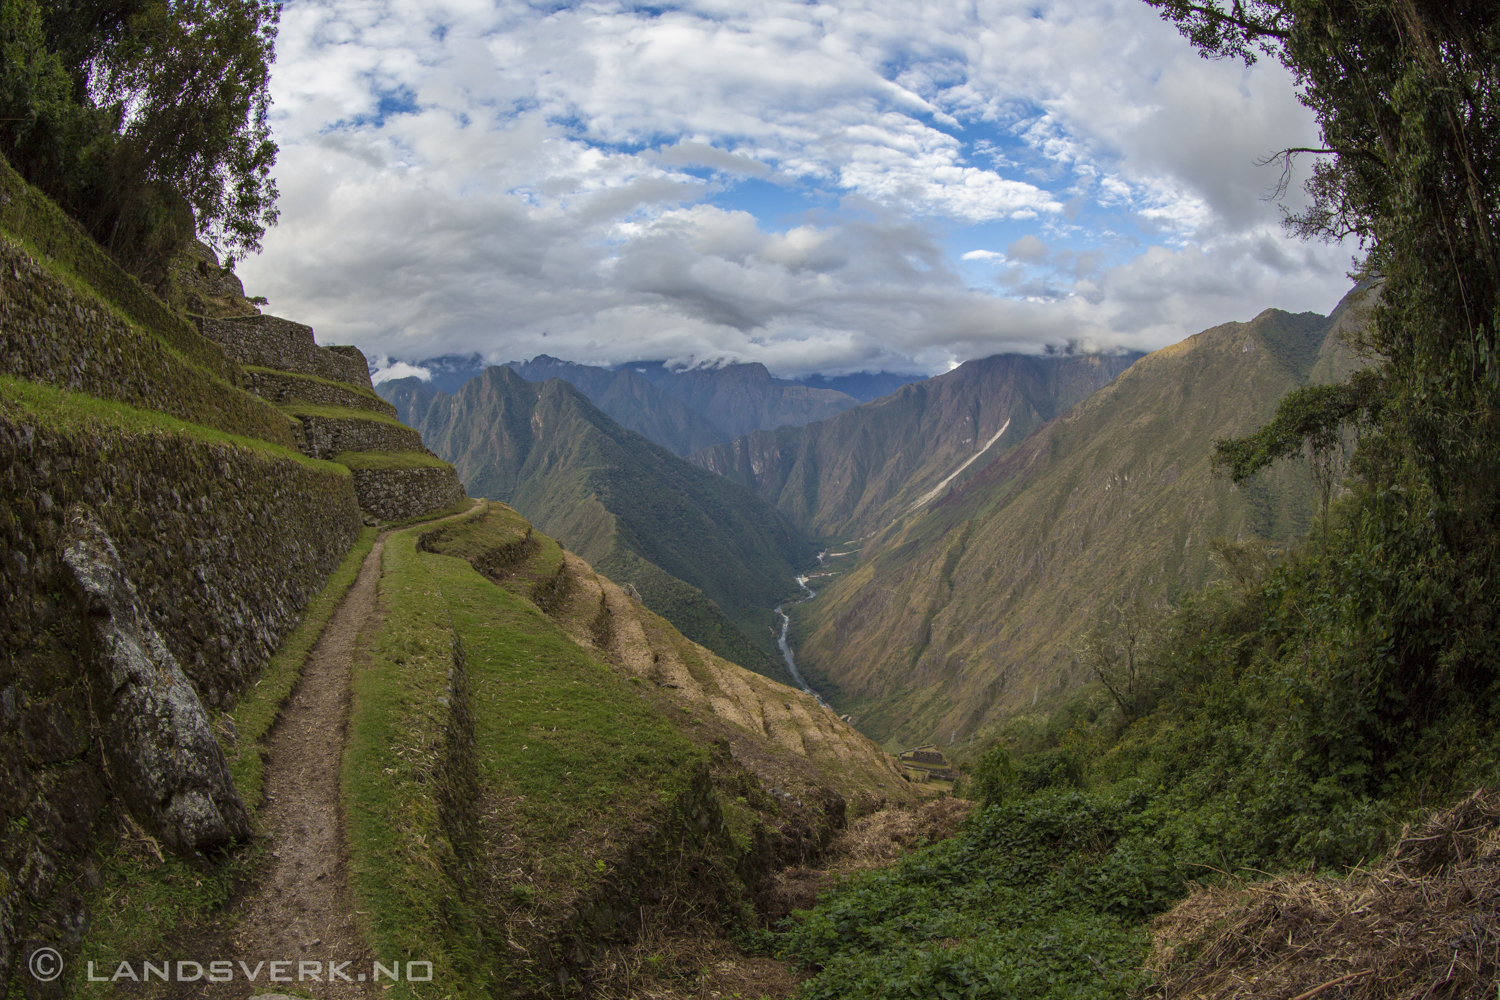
(817, 186)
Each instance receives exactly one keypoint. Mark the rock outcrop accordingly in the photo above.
(164, 761)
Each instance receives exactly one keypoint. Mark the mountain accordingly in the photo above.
(744, 397)
(631, 401)
(856, 471)
(956, 614)
(703, 552)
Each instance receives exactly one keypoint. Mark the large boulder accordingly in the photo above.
(164, 761)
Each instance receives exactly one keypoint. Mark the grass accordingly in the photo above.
(76, 412)
(390, 460)
(260, 706)
(567, 756)
(146, 902)
(298, 408)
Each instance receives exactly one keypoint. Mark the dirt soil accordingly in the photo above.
(300, 910)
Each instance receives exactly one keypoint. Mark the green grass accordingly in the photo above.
(144, 903)
(564, 748)
(76, 412)
(298, 408)
(389, 460)
(317, 379)
(261, 704)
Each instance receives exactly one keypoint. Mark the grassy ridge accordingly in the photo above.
(67, 250)
(76, 412)
(564, 756)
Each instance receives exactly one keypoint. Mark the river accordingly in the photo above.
(786, 647)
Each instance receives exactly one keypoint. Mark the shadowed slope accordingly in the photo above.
(703, 552)
(631, 401)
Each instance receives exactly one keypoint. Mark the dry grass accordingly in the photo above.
(673, 961)
(1423, 925)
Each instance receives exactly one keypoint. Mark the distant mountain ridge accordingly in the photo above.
(631, 401)
(744, 397)
(686, 410)
(703, 552)
(963, 611)
(854, 472)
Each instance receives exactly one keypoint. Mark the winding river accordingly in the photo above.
(786, 647)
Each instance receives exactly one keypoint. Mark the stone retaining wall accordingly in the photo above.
(281, 387)
(225, 546)
(398, 494)
(273, 342)
(50, 333)
(325, 437)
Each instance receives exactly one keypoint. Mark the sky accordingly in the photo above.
(831, 188)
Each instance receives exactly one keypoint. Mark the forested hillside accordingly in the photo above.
(954, 617)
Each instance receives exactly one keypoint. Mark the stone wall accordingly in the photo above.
(52, 334)
(26, 212)
(325, 437)
(279, 387)
(273, 342)
(224, 544)
(398, 494)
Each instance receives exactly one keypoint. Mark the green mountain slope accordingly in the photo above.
(703, 552)
(742, 398)
(955, 614)
(855, 472)
(631, 401)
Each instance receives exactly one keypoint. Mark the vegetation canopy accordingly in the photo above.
(145, 119)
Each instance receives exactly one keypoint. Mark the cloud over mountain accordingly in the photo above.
(815, 187)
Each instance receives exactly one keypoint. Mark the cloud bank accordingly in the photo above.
(816, 187)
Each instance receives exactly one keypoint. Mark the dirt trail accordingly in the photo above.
(301, 911)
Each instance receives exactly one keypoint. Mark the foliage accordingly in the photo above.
(1405, 92)
(146, 120)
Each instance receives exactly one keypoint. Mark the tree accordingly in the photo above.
(145, 119)
(1117, 652)
(1405, 94)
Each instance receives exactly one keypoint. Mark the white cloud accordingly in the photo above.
(516, 180)
(386, 370)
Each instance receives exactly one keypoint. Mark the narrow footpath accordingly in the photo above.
(301, 909)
